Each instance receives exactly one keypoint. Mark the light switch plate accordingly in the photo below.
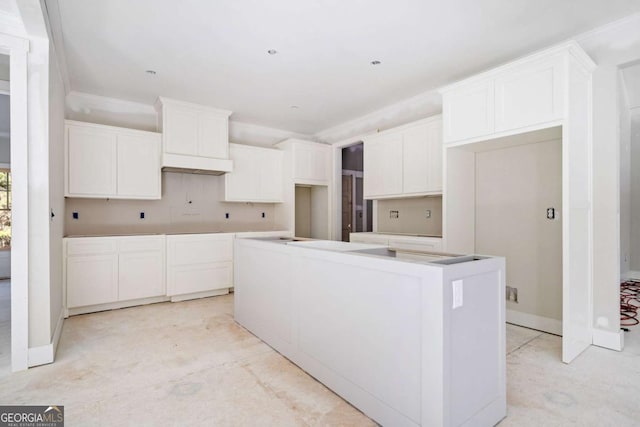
(457, 293)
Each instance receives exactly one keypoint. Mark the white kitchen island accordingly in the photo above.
(409, 342)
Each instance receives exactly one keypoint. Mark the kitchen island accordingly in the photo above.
(409, 341)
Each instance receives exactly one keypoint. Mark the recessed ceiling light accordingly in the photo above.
(151, 72)
(272, 51)
(376, 62)
(294, 107)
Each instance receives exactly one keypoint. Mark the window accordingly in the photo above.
(5, 209)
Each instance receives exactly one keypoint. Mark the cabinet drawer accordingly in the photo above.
(192, 279)
(91, 246)
(192, 250)
(139, 244)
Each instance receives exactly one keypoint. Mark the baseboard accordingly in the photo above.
(532, 321)
(206, 294)
(45, 354)
(613, 340)
(631, 275)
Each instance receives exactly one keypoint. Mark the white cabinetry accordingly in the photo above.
(106, 161)
(416, 243)
(112, 270)
(198, 264)
(404, 161)
(518, 96)
(311, 163)
(193, 136)
(257, 175)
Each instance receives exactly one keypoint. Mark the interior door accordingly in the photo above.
(347, 206)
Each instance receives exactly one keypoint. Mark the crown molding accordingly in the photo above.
(423, 105)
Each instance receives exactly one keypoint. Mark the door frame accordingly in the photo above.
(17, 49)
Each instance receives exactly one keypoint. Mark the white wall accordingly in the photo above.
(56, 189)
(610, 47)
(412, 217)
(205, 211)
(625, 180)
(514, 188)
(635, 193)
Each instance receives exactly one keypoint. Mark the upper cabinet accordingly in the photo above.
(519, 96)
(193, 136)
(257, 175)
(404, 161)
(111, 162)
(310, 161)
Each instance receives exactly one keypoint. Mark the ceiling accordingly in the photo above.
(215, 52)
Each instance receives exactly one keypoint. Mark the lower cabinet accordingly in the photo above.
(199, 263)
(108, 270)
(399, 241)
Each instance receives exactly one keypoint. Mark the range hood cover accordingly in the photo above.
(195, 164)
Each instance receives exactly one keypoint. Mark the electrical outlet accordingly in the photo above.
(428, 213)
(394, 214)
(141, 215)
(75, 215)
(263, 215)
(226, 215)
(551, 213)
(511, 294)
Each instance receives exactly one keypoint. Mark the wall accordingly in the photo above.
(635, 193)
(514, 187)
(609, 46)
(56, 190)
(5, 158)
(5, 149)
(411, 216)
(303, 212)
(205, 212)
(625, 179)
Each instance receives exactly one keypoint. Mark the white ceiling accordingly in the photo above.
(215, 52)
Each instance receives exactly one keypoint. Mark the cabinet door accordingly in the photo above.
(529, 95)
(383, 166)
(140, 275)
(92, 279)
(271, 176)
(417, 153)
(139, 167)
(213, 136)
(91, 162)
(468, 111)
(243, 183)
(311, 163)
(180, 130)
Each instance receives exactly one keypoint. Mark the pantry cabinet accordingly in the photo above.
(404, 161)
(311, 163)
(111, 162)
(257, 175)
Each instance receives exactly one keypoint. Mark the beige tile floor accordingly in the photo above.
(189, 363)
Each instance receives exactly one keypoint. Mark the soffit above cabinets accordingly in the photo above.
(216, 53)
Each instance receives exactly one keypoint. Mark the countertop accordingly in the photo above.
(400, 234)
(165, 230)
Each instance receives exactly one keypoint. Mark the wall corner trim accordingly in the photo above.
(45, 354)
(608, 339)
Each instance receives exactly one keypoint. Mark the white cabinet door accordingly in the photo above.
(257, 175)
(92, 279)
(213, 135)
(468, 111)
(140, 275)
(180, 130)
(139, 174)
(91, 162)
(271, 176)
(383, 165)
(311, 163)
(529, 95)
(242, 184)
(422, 158)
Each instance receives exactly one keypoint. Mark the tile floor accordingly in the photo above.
(189, 363)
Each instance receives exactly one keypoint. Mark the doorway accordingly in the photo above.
(356, 212)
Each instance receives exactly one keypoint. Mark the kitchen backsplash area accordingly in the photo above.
(420, 215)
(189, 202)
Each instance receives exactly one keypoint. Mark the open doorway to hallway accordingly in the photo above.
(356, 212)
